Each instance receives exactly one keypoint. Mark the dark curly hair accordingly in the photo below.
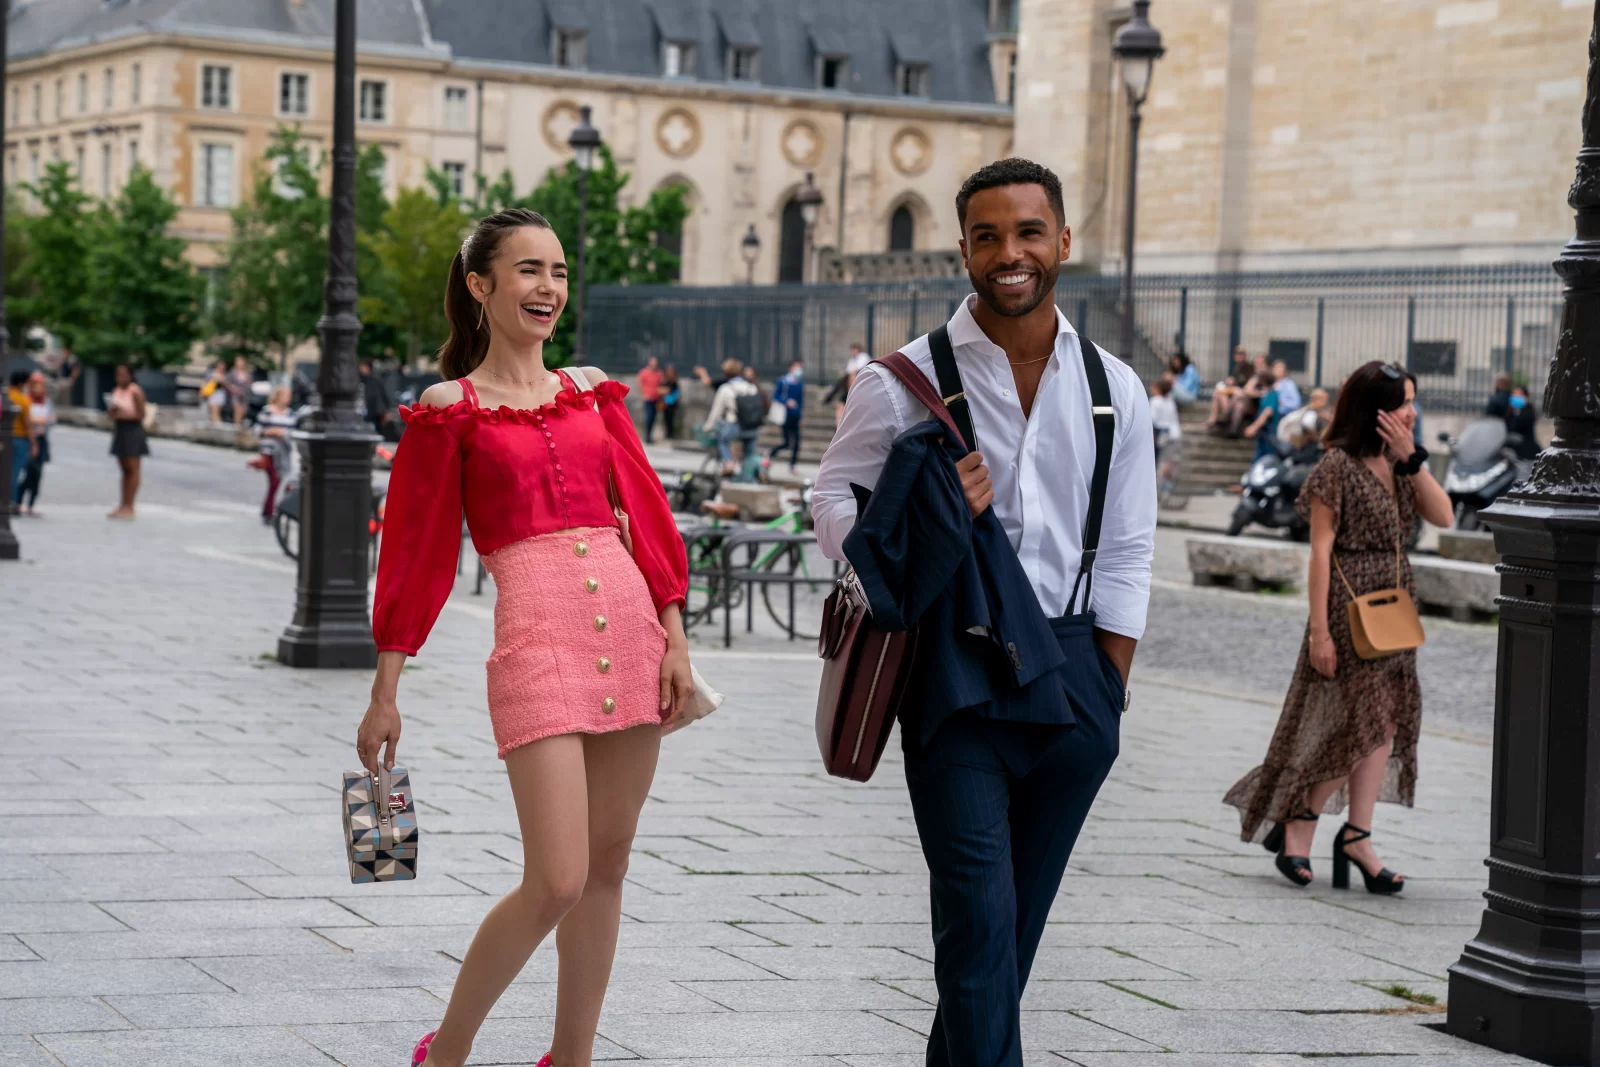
(1011, 171)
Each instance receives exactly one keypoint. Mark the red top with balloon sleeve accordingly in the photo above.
(516, 473)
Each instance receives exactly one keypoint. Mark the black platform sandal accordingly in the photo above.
(1295, 868)
(1382, 883)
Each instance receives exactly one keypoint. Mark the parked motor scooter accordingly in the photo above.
(1485, 462)
(1271, 486)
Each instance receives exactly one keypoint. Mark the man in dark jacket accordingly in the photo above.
(378, 398)
(1002, 774)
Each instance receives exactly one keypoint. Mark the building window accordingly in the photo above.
(742, 64)
(374, 101)
(33, 166)
(38, 97)
(16, 106)
(111, 89)
(455, 107)
(677, 59)
(133, 156)
(912, 79)
(61, 97)
(831, 72)
(216, 87)
(457, 175)
(294, 94)
(1011, 78)
(214, 181)
(1003, 16)
(83, 93)
(570, 48)
(105, 169)
(902, 230)
(133, 83)
(78, 159)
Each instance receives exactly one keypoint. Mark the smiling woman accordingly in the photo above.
(590, 658)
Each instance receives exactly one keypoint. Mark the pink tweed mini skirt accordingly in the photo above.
(577, 645)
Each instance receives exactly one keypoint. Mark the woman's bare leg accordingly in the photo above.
(1299, 835)
(550, 787)
(621, 767)
(130, 481)
(1366, 778)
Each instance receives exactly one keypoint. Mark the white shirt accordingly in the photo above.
(854, 364)
(1040, 466)
(1164, 416)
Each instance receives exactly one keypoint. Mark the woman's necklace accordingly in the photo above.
(503, 378)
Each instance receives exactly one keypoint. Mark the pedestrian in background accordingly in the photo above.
(1348, 729)
(128, 441)
(736, 414)
(378, 399)
(1522, 419)
(671, 394)
(1288, 392)
(42, 413)
(590, 659)
(1185, 379)
(790, 391)
(1500, 398)
(650, 379)
(1168, 434)
(840, 393)
(214, 392)
(1265, 426)
(274, 423)
(240, 381)
(24, 446)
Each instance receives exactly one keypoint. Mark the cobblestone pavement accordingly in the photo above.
(173, 889)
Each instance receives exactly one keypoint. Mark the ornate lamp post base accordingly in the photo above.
(10, 548)
(331, 627)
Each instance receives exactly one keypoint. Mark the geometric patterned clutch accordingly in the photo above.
(380, 826)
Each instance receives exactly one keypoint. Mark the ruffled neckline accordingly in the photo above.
(568, 399)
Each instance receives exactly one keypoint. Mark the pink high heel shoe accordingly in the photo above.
(545, 1061)
(420, 1053)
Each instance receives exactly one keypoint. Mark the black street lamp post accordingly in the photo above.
(9, 548)
(810, 200)
(1529, 982)
(750, 251)
(584, 142)
(1137, 46)
(331, 627)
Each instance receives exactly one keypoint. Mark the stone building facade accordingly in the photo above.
(736, 102)
(1313, 134)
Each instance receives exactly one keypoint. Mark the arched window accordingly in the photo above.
(902, 230)
(792, 245)
(672, 240)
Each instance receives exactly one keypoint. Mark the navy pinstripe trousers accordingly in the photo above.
(998, 807)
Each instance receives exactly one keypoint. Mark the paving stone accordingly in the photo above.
(501, 1041)
(44, 1015)
(400, 966)
(20, 1051)
(1043, 1031)
(179, 943)
(53, 978)
(1275, 1031)
(761, 1034)
(233, 914)
(836, 994)
(201, 1047)
(272, 1008)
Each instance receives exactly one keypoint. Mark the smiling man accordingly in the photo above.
(1000, 790)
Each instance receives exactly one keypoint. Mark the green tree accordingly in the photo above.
(270, 290)
(413, 248)
(62, 233)
(20, 283)
(147, 295)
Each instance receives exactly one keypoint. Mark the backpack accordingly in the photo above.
(750, 410)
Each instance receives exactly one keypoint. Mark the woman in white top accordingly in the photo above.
(723, 422)
(1168, 431)
(43, 415)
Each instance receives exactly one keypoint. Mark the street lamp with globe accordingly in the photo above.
(1137, 46)
(750, 251)
(584, 142)
(810, 200)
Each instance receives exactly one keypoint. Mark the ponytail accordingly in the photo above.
(468, 342)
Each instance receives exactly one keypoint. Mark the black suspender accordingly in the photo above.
(950, 390)
(1105, 427)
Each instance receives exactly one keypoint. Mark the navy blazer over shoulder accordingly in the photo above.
(923, 560)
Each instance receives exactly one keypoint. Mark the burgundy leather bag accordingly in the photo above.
(866, 672)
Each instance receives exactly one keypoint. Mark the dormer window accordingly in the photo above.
(1003, 16)
(832, 72)
(677, 59)
(911, 79)
(742, 64)
(570, 48)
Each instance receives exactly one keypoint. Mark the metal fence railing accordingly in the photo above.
(1454, 327)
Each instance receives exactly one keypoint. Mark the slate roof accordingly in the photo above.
(623, 36)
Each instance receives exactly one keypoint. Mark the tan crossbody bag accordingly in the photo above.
(1382, 622)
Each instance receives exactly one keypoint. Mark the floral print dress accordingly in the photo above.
(1328, 724)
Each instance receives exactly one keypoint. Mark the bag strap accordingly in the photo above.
(916, 383)
(1105, 427)
(950, 388)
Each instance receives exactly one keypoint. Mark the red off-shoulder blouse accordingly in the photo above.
(517, 473)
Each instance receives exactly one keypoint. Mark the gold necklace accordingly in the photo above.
(503, 378)
(1030, 362)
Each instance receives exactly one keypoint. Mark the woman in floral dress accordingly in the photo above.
(1348, 730)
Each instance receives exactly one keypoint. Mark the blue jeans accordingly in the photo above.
(20, 455)
(726, 432)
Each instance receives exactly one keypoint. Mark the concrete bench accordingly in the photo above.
(1463, 589)
(754, 500)
(1246, 563)
(1472, 546)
